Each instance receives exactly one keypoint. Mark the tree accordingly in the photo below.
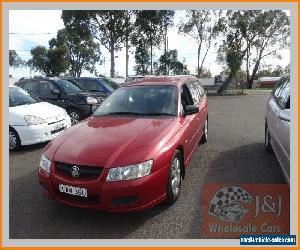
(278, 71)
(83, 52)
(148, 27)
(108, 26)
(167, 22)
(129, 28)
(52, 62)
(273, 29)
(205, 73)
(142, 58)
(14, 59)
(203, 28)
(170, 65)
(237, 25)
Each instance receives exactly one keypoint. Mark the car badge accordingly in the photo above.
(75, 171)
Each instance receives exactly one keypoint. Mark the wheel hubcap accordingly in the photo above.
(206, 129)
(74, 118)
(12, 140)
(267, 137)
(176, 176)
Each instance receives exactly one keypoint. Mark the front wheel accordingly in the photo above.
(14, 140)
(174, 178)
(75, 116)
(204, 137)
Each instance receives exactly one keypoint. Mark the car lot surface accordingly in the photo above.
(234, 154)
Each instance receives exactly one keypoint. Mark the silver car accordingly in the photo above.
(277, 126)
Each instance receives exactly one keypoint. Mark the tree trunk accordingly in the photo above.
(112, 60)
(198, 60)
(151, 57)
(127, 56)
(225, 85)
(166, 35)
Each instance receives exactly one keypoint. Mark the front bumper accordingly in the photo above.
(32, 134)
(118, 196)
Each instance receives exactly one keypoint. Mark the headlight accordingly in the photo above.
(130, 172)
(91, 100)
(45, 164)
(33, 120)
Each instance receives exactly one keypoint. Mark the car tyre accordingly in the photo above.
(268, 146)
(14, 140)
(74, 115)
(174, 178)
(204, 137)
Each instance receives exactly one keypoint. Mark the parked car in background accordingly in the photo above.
(129, 79)
(95, 84)
(132, 153)
(33, 121)
(277, 126)
(78, 103)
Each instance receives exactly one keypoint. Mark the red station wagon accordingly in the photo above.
(132, 153)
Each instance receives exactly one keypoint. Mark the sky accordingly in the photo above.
(29, 28)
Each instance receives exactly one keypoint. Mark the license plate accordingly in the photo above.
(77, 191)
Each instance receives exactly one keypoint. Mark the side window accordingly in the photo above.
(31, 86)
(81, 83)
(284, 96)
(45, 89)
(194, 92)
(200, 89)
(93, 86)
(186, 97)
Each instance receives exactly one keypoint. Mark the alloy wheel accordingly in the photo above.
(12, 140)
(74, 118)
(176, 176)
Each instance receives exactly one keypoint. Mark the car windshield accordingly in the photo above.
(68, 87)
(18, 96)
(110, 85)
(141, 101)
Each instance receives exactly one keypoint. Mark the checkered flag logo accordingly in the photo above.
(226, 204)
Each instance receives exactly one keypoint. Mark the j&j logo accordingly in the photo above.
(227, 204)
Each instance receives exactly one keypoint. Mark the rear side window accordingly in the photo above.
(194, 92)
(31, 86)
(45, 89)
(93, 86)
(284, 95)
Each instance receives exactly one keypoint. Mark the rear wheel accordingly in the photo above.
(174, 179)
(268, 146)
(74, 115)
(14, 140)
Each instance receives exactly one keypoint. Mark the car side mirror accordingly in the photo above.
(285, 115)
(55, 92)
(191, 109)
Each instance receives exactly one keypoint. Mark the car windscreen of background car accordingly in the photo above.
(141, 100)
(68, 87)
(111, 86)
(18, 96)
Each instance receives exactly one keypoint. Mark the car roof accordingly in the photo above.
(162, 80)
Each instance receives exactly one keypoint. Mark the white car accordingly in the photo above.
(32, 121)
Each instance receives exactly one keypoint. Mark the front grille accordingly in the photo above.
(57, 130)
(58, 121)
(83, 171)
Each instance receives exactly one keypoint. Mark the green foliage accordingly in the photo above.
(82, 52)
(15, 60)
(170, 65)
(203, 26)
(142, 58)
(52, 62)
